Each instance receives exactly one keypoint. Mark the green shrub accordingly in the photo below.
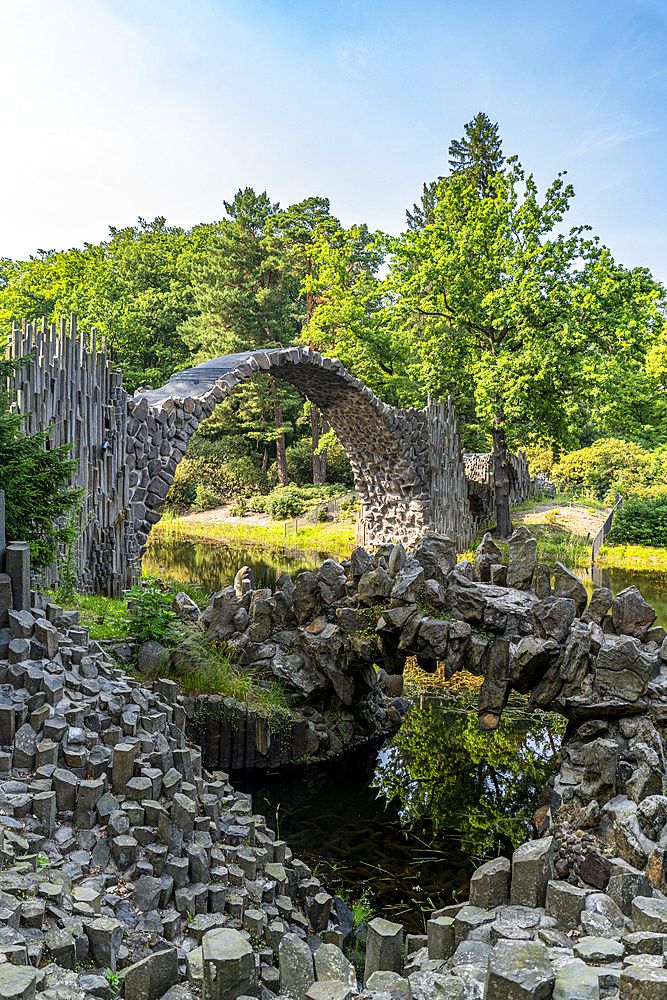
(206, 481)
(206, 498)
(41, 507)
(285, 502)
(611, 464)
(257, 503)
(642, 521)
(291, 501)
(149, 613)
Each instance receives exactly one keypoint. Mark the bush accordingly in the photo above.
(285, 502)
(41, 507)
(206, 482)
(291, 501)
(611, 463)
(206, 498)
(149, 613)
(642, 521)
(257, 503)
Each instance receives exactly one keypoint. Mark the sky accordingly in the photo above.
(113, 110)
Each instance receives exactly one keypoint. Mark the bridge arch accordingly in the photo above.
(407, 463)
(388, 447)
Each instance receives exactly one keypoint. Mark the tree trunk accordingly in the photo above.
(502, 480)
(265, 460)
(316, 441)
(280, 447)
(326, 426)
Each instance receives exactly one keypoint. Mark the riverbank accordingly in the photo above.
(336, 538)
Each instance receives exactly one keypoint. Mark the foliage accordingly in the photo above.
(361, 908)
(300, 463)
(135, 288)
(113, 979)
(612, 464)
(484, 784)
(149, 612)
(205, 483)
(40, 504)
(204, 667)
(642, 521)
(646, 559)
(290, 501)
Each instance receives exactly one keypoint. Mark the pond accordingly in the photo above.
(407, 821)
(213, 565)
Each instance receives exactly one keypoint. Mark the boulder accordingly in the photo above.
(185, 607)
(323, 653)
(553, 617)
(542, 581)
(530, 660)
(305, 597)
(151, 657)
(631, 614)
(486, 555)
(623, 669)
(361, 562)
(407, 585)
(229, 965)
(517, 970)
(600, 762)
(297, 973)
(567, 585)
(437, 556)
(375, 586)
(396, 560)
(522, 560)
(599, 605)
(218, 617)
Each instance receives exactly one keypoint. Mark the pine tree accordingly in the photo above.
(478, 153)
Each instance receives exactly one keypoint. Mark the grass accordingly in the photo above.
(334, 537)
(204, 667)
(643, 558)
(105, 616)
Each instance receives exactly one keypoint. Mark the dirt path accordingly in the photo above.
(221, 515)
(577, 520)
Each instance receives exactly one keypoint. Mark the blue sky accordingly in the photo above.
(115, 109)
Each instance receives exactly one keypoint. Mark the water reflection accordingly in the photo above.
(483, 784)
(653, 586)
(213, 565)
(410, 819)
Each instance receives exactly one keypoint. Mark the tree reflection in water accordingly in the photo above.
(441, 768)
(213, 565)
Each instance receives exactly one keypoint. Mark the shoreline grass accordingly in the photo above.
(633, 558)
(335, 538)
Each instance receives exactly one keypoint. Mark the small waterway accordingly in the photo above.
(407, 821)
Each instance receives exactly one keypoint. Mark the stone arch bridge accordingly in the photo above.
(407, 463)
